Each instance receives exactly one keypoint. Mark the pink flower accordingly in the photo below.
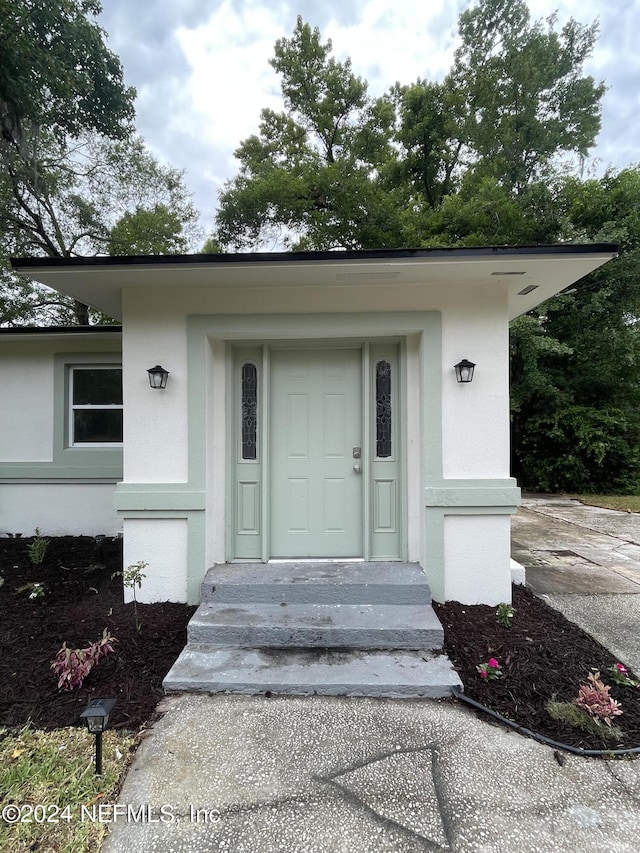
(622, 669)
(493, 663)
(483, 673)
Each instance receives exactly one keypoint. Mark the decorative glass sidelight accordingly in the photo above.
(249, 411)
(383, 409)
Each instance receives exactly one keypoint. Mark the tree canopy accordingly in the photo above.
(310, 178)
(419, 165)
(74, 178)
(56, 71)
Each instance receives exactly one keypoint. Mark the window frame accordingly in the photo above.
(72, 408)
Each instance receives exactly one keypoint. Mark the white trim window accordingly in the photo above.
(95, 406)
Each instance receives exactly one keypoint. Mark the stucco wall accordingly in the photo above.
(26, 413)
(465, 427)
(475, 416)
(155, 421)
(58, 509)
(43, 482)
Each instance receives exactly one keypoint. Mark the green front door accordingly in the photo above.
(315, 505)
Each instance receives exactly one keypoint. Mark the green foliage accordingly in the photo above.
(462, 162)
(85, 197)
(211, 246)
(53, 768)
(490, 671)
(74, 180)
(35, 590)
(579, 448)
(504, 614)
(56, 72)
(428, 119)
(567, 712)
(619, 674)
(310, 178)
(37, 549)
(485, 212)
(575, 362)
(132, 577)
(526, 99)
(148, 231)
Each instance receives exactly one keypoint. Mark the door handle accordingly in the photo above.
(357, 469)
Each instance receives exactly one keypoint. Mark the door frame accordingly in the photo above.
(264, 348)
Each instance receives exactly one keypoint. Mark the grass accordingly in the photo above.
(626, 503)
(55, 770)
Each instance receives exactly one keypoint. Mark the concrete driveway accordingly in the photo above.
(585, 561)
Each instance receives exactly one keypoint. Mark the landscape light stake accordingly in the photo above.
(97, 716)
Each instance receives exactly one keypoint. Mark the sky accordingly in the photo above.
(201, 68)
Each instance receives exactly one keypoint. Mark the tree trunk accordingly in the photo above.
(81, 313)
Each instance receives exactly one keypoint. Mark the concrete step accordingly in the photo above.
(303, 626)
(317, 583)
(384, 674)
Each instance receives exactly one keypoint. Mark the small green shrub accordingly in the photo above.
(132, 577)
(505, 614)
(38, 548)
(35, 590)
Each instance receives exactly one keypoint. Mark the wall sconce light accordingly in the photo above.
(464, 370)
(97, 716)
(158, 376)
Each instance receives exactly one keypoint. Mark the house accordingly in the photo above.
(312, 409)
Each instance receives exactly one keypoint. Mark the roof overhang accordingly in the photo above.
(532, 273)
(104, 332)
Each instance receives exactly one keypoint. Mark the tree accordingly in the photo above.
(57, 73)
(526, 99)
(310, 177)
(58, 83)
(485, 212)
(464, 160)
(427, 130)
(576, 360)
(87, 196)
(148, 231)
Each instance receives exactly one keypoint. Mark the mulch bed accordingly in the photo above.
(81, 599)
(542, 655)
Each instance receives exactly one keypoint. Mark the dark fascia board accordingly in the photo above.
(317, 257)
(61, 330)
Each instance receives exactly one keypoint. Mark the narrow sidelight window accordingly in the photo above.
(249, 411)
(383, 410)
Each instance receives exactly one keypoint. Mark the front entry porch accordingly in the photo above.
(326, 628)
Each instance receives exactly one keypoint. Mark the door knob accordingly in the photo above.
(357, 469)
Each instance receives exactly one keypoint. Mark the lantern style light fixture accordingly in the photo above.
(464, 370)
(158, 376)
(96, 715)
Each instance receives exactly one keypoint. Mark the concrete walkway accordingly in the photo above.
(248, 774)
(585, 562)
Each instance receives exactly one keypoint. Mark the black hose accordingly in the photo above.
(589, 753)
